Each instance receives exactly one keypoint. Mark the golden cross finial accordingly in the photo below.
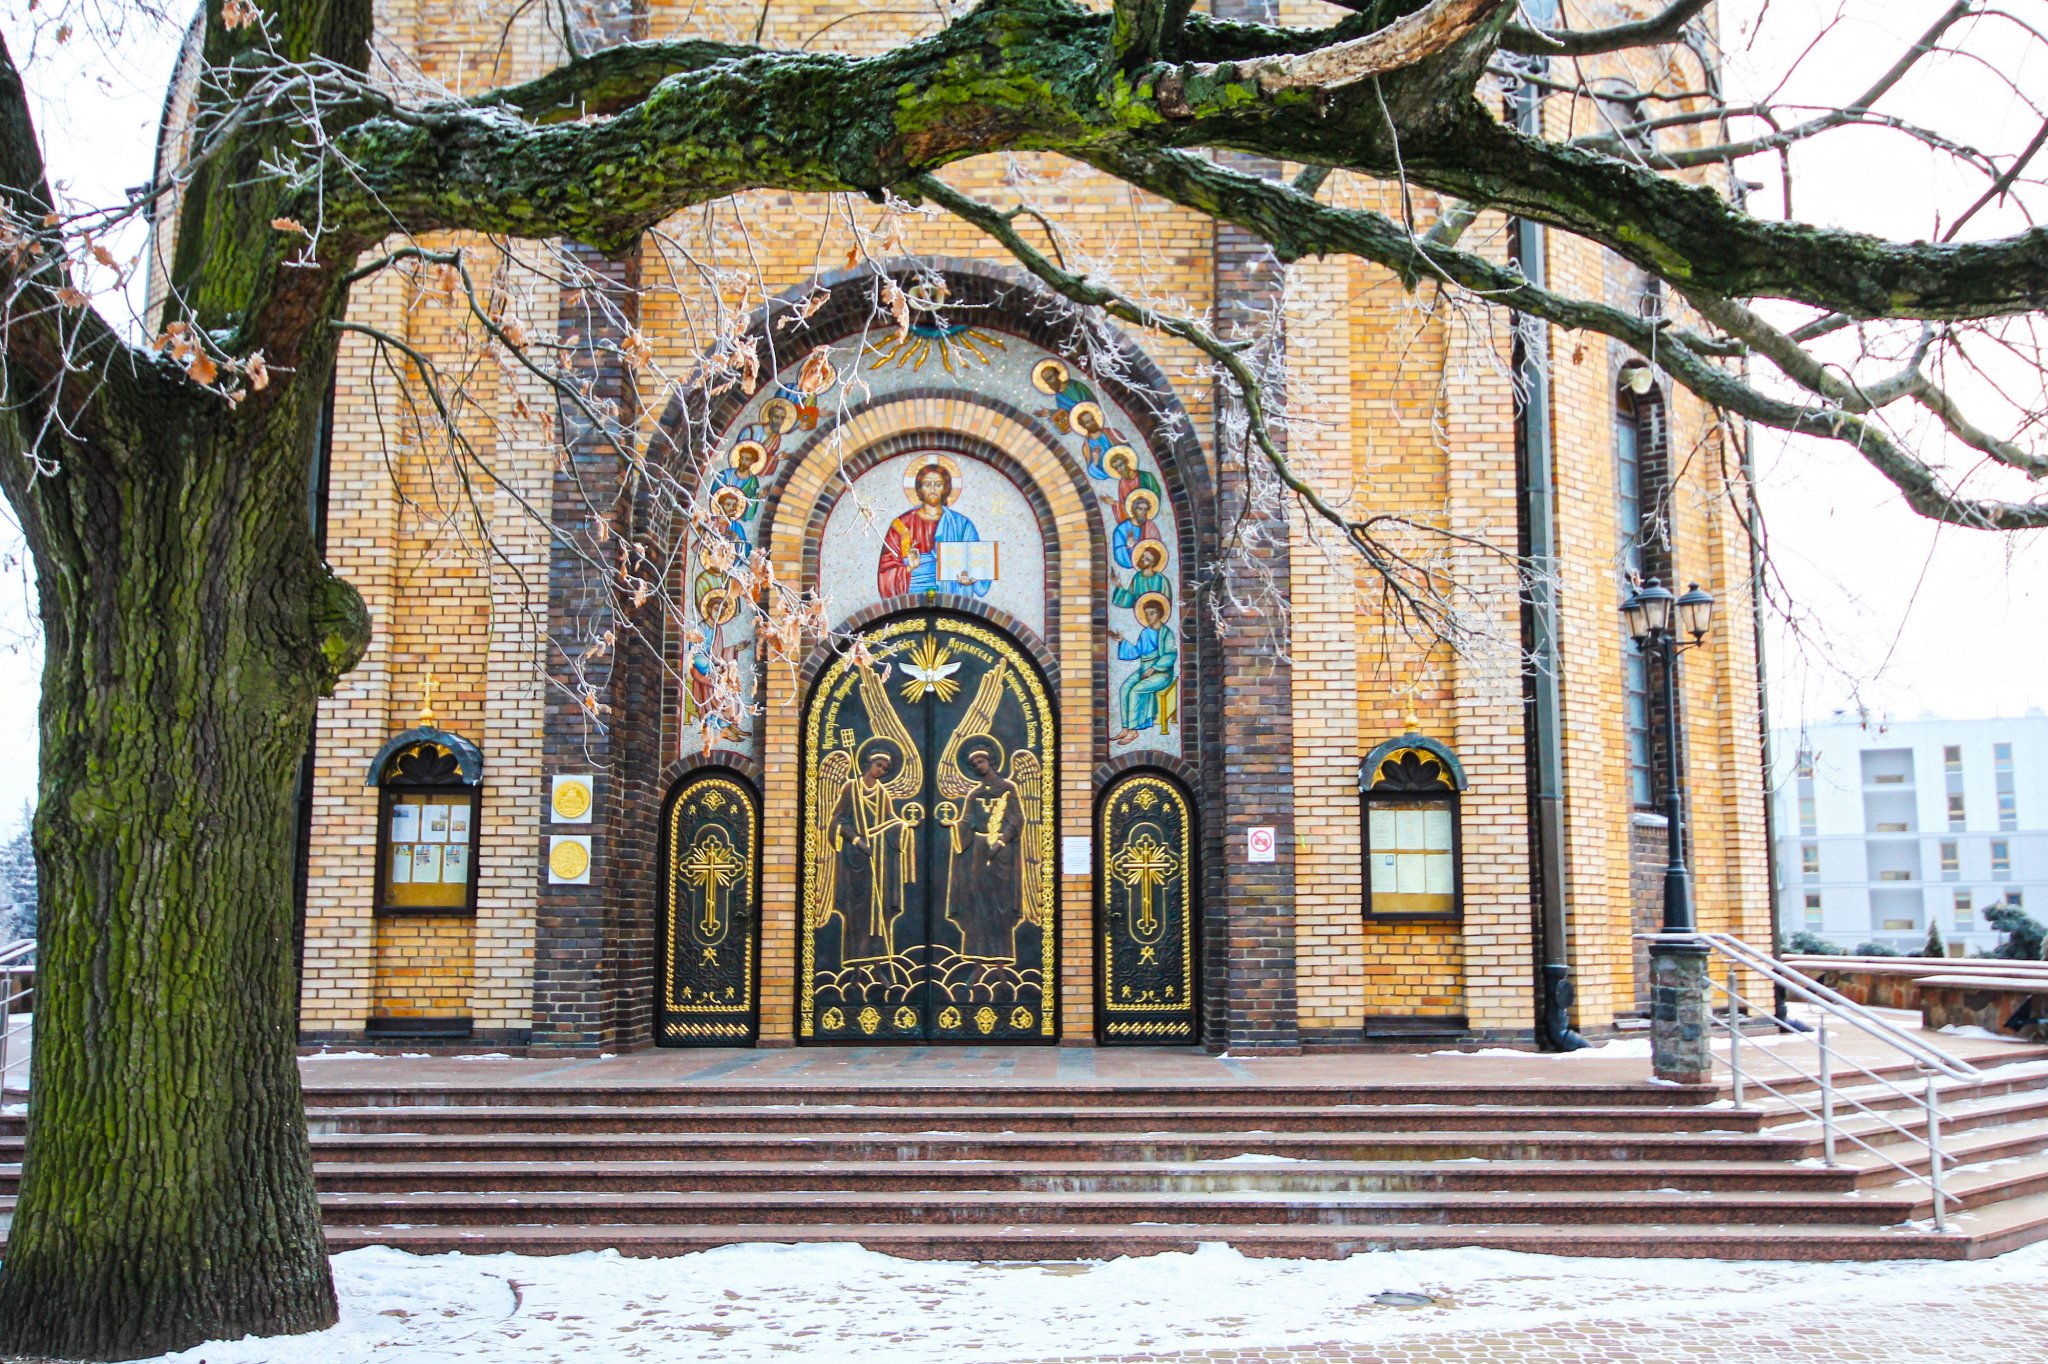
(1412, 720)
(426, 720)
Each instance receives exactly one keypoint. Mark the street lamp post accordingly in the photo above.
(1667, 626)
(1659, 622)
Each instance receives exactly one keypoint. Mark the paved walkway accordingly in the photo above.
(1622, 1061)
(1992, 1324)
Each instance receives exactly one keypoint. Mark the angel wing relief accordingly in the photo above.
(866, 840)
(993, 822)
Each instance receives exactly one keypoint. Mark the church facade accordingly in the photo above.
(1087, 736)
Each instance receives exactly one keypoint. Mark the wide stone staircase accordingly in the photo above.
(988, 1170)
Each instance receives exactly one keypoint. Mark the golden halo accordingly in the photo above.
(1131, 504)
(779, 413)
(1165, 606)
(975, 743)
(729, 502)
(919, 463)
(1149, 549)
(1074, 417)
(1116, 452)
(748, 456)
(1049, 376)
(718, 606)
(867, 751)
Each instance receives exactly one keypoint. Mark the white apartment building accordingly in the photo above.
(1881, 828)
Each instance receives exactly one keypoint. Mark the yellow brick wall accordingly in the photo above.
(1398, 401)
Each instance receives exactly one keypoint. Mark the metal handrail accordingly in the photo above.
(1856, 1015)
(1931, 1061)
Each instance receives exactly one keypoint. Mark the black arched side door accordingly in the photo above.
(1148, 980)
(710, 913)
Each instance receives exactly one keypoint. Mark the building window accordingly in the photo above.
(1813, 915)
(1952, 760)
(1955, 810)
(429, 785)
(1809, 822)
(2014, 898)
(2008, 801)
(1899, 925)
(2001, 857)
(2008, 811)
(2001, 758)
(1966, 911)
(1639, 465)
(1410, 789)
(1809, 861)
(1951, 860)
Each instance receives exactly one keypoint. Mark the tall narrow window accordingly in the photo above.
(1956, 818)
(429, 787)
(1410, 788)
(1813, 914)
(1639, 465)
(1809, 861)
(2001, 857)
(1951, 860)
(1952, 784)
(2008, 799)
(1965, 911)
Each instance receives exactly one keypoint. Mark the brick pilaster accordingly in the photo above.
(1252, 1001)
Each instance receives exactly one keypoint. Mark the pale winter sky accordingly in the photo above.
(1896, 613)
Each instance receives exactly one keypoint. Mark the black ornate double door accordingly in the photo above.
(929, 885)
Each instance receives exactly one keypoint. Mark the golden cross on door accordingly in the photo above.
(1145, 865)
(711, 867)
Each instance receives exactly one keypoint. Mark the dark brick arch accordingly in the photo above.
(1182, 771)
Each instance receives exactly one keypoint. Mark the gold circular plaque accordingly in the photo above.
(572, 799)
(569, 859)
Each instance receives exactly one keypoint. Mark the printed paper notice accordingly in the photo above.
(401, 864)
(405, 824)
(426, 862)
(458, 823)
(1261, 845)
(1077, 855)
(436, 825)
(455, 863)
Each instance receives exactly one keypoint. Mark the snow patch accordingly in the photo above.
(751, 1304)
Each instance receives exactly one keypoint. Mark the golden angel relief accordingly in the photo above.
(928, 897)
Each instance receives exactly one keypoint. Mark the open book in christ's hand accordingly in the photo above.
(975, 558)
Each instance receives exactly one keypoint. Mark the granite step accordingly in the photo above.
(1061, 1098)
(1974, 1235)
(811, 1118)
(1728, 1144)
(798, 1208)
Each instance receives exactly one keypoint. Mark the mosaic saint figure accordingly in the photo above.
(1150, 694)
(732, 506)
(1149, 576)
(1122, 464)
(873, 841)
(985, 868)
(909, 560)
(1139, 509)
(1052, 378)
(756, 453)
(709, 655)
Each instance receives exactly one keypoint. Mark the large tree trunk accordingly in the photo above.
(167, 1195)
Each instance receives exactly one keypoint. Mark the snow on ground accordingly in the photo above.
(742, 1304)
